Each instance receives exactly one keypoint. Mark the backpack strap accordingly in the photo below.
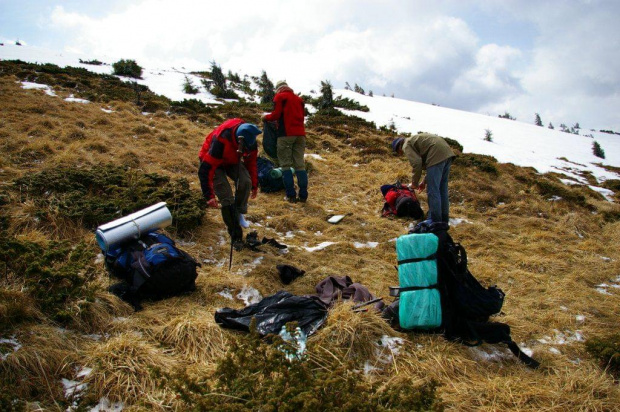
(414, 260)
(532, 363)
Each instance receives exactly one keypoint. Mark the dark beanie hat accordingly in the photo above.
(396, 143)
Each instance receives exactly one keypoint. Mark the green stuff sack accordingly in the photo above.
(420, 304)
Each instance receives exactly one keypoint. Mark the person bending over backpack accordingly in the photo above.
(230, 151)
(288, 111)
(430, 152)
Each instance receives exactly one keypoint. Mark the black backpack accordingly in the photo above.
(151, 267)
(467, 305)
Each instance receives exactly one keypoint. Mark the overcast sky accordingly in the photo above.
(557, 58)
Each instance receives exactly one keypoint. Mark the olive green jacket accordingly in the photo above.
(425, 150)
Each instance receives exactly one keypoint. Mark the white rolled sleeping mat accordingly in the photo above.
(133, 226)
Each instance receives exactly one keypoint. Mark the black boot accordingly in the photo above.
(231, 219)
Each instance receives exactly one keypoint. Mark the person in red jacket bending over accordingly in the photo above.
(288, 111)
(230, 151)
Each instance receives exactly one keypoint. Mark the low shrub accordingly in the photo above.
(127, 68)
(484, 163)
(54, 276)
(607, 351)
(256, 375)
(104, 193)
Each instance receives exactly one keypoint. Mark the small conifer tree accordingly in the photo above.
(327, 95)
(551, 126)
(538, 120)
(266, 89)
(218, 76)
(358, 89)
(488, 135)
(347, 86)
(597, 150)
(188, 86)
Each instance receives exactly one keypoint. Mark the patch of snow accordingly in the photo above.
(368, 368)
(107, 110)
(314, 156)
(607, 194)
(526, 350)
(76, 100)
(249, 295)
(457, 221)
(226, 293)
(320, 246)
(569, 182)
(72, 388)
(105, 405)
(555, 351)
(580, 318)
(490, 353)
(99, 259)
(554, 198)
(12, 342)
(37, 86)
(370, 245)
(388, 348)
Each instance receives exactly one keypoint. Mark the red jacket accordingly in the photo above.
(290, 108)
(220, 149)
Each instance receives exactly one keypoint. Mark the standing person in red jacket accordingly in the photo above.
(230, 151)
(288, 111)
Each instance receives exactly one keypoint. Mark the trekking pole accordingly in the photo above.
(239, 155)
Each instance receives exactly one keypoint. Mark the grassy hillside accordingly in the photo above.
(66, 167)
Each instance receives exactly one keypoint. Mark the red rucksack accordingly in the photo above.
(400, 201)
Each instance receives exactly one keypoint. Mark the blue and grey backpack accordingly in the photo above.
(151, 267)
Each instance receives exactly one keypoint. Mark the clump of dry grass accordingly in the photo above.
(349, 335)
(16, 307)
(45, 354)
(195, 336)
(125, 368)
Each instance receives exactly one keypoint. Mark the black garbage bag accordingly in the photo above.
(275, 311)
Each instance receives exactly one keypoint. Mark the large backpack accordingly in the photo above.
(466, 305)
(267, 183)
(151, 267)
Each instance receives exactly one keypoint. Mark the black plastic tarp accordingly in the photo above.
(275, 311)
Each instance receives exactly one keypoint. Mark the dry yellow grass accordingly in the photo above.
(549, 258)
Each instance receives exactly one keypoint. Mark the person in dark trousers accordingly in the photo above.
(430, 152)
(230, 151)
(288, 112)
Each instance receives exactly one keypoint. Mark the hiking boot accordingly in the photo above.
(238, 244)
(291, 199)
(302, 199)
(252, 239)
